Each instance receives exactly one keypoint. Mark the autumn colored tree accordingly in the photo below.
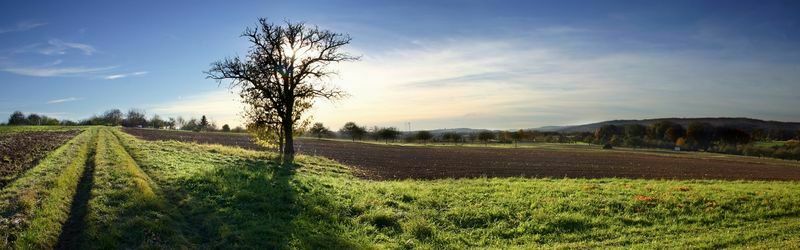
(634, 135)
(699, 135)
(605, 133)
(674, 133)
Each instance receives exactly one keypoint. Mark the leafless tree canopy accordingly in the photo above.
(285, 69)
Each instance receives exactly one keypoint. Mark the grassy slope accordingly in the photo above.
(34, 207)
(171, 194)
(231, 197)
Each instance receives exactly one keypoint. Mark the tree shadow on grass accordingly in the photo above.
(255, 204)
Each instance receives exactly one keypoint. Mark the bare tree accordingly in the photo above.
(423, 136)
(113, 117)
(284, 71)
(135, 118)
(485, 136)
(353, 130)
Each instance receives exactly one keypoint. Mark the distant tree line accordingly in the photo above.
(353, 131)
(697, 136)
(19, 118)
(700, 136)
(133, 118)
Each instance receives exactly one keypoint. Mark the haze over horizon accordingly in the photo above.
(449, 64)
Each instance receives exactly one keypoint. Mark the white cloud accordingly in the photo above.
(68, 99)
(560, 30)
(49, 71)
(112, 77)
(58, 47)
(525, 83)
(22, 26)
(118, 76)
(55, 47)
(522, 84)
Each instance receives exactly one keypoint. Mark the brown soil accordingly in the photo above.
(399, 162)
(21, 151)
(241, 140)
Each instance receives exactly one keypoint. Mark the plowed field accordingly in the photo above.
(409, 162)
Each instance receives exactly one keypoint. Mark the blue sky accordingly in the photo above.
(436, 64)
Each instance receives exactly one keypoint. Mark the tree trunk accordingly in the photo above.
(288, 145)
(281, 144)
(288, 131)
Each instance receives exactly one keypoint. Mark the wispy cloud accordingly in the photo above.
(529, 83)
(49, 71)
(68, 99)
(560, 30)
(55, 47)
(21, 26)
(118, 76)
(58, 47)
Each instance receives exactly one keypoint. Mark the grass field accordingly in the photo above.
(167, 194)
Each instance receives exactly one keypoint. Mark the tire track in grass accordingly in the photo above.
(183, 223)
(41, 199)
(72, 230)
(125, 209)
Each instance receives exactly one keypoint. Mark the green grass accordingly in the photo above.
(34, 207)
(167, 194)
(125, 209)
(236, 196)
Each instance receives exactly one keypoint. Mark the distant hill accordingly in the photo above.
(741, 123)
(550, 128)
(437, 132)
